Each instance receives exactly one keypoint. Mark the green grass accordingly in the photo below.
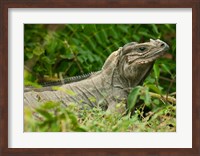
(52, 117)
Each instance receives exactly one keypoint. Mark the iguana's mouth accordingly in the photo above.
(150, 58)
(146, 58)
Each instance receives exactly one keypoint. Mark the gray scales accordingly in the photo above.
(123, 70)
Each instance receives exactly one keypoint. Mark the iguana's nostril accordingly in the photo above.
(162, 45)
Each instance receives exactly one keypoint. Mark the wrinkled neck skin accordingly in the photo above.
(134, 75)
(124, 76)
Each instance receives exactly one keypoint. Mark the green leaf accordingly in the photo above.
(104, 36)
(67, 55)
(91, 42)
(44, 113)
(33, 84)
(132, 97)
(156, 71)
(155, 29)
(49, 105)
(146, 34)
(154, 88)
(156, 101)
(29, 55)
(55, 127)
(168, 26)
(124, 28)
(150, 79)
(136, 37)
(73, 118)
(38, 51)
(166, 68)
(114, 33)
(47, 60)
(55, 88)
(76, 41)
(82, 26)
(80, 129)
(97, 37)
(147, 98)
(92, 99)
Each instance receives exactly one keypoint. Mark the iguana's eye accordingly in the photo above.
(142, 49)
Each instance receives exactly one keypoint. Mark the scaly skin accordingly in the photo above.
(124, 69)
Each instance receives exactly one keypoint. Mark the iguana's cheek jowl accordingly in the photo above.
(143, 62)
(130, 59)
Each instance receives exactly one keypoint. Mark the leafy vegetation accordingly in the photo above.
(53, 52)
(54, 118)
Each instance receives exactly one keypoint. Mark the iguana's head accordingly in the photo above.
(136, 60)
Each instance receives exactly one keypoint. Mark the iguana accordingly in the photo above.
(124, 69)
